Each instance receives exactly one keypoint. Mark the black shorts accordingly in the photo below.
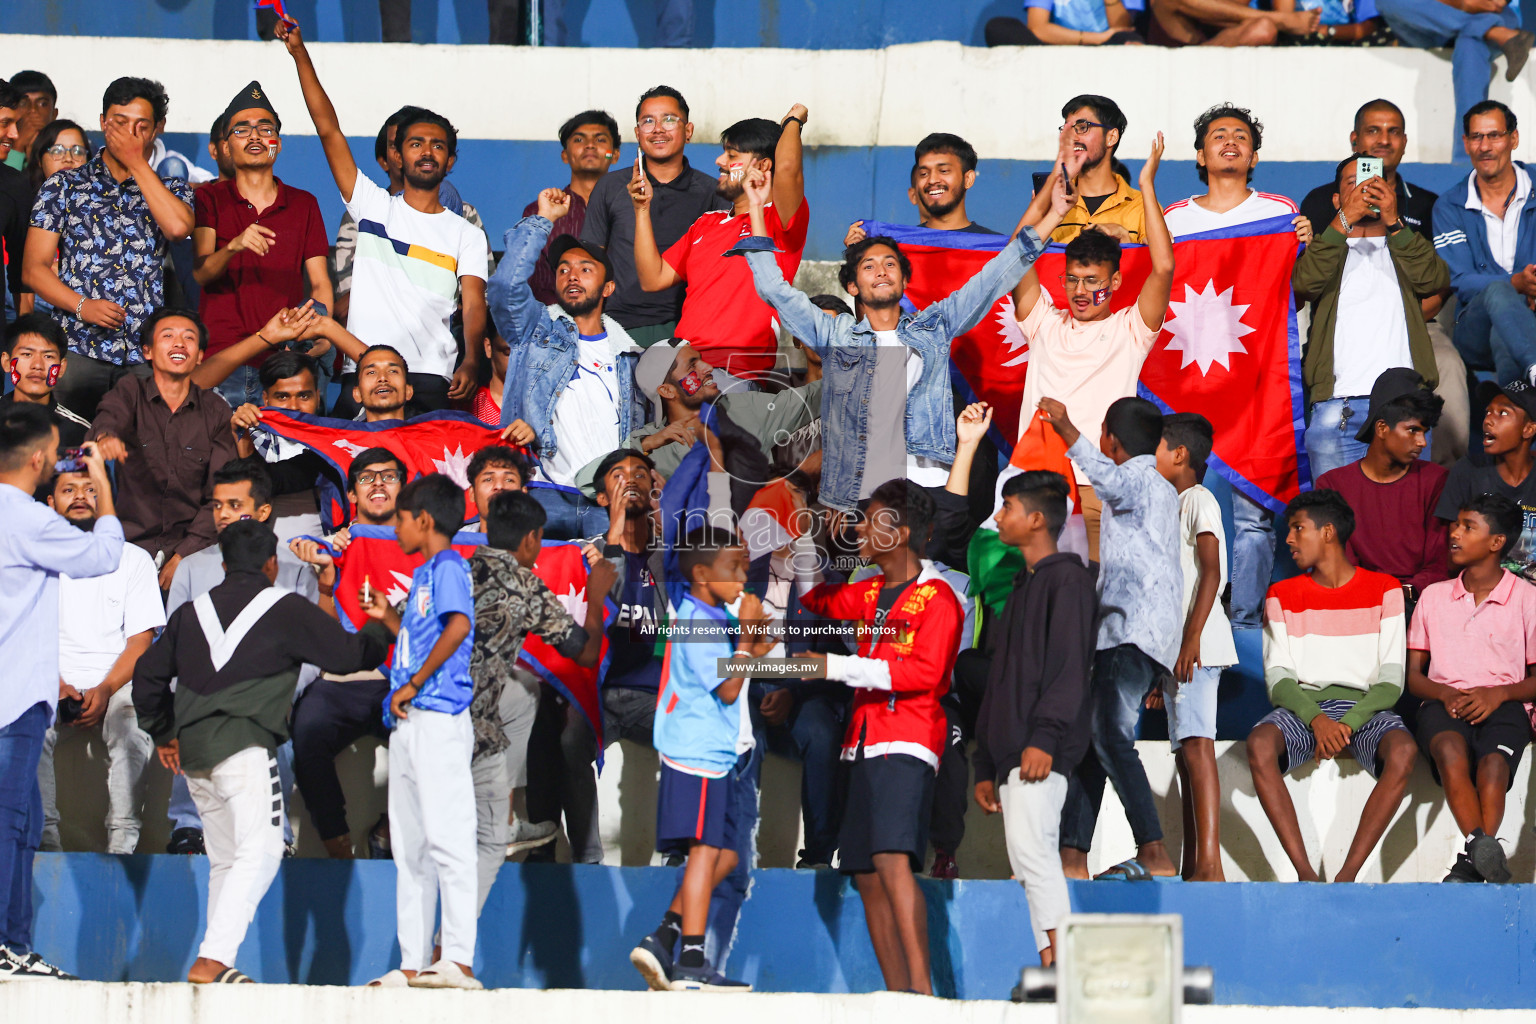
(1506, 732)
(889, 801)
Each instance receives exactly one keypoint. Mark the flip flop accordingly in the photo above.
(392, 979)
(445, 974)
(1130, 870)
(230, 976)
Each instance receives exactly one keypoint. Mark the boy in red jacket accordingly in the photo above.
(909, 632)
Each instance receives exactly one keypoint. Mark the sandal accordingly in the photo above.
(1126, 871)
(230, 976)
(445, 974)
(392, 979)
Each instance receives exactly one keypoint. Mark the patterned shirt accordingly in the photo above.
(510, 603)
(109, 248)
(1141, 584)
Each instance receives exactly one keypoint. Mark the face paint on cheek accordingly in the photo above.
(1101, 296)
(736, 171)
(691, 384)
(54, 372)
(15, 373)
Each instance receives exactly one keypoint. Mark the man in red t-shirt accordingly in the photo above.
(723, 318)
(258, 242)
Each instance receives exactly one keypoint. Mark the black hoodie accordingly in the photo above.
(1037, 689)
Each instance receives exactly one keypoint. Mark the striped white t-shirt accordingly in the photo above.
(405, 277)
(1186, 217)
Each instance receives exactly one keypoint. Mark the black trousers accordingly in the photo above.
(952, 788)
(329, 718)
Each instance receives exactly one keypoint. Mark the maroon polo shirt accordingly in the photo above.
(254, 287)
(543, 280)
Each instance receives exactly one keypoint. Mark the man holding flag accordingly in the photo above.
(888, 410)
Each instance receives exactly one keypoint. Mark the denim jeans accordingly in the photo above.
(241, 386)
(1121, 678)
(1253, 559)
(1497, 331)
(1330, 436)
(571, 515)
(1427, 24)
(21, 822)
(812, 735)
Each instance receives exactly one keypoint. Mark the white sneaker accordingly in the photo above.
(445, 974)
(14, 967)
(525, 835)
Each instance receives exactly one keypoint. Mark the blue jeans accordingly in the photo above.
(21, 822)
(572, 516)
(1121, 678)
(1497, 331)
(1330, 436)
(1427, 24)
(242, 386)
(1253, 559)
(812, 735)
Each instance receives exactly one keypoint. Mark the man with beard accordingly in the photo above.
(681, 194)
(589, 146)
(943, 171)
(570, 390)
(723, 319)
(1090, 134)
(105, 624)
(383, 390)
(258, 241)
(414, 255)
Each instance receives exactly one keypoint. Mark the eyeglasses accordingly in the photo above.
(665, 120)
(1476, 137)
(265, 131)
(388, 476)
(67, 151)
(1080, 127)
(1072, 283)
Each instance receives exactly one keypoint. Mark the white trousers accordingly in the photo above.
(432, 832)
(1032, 827)
(128, 750)
(241, 804)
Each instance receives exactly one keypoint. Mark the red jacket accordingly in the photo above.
(906, 719)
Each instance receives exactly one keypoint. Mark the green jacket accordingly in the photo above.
(1317, 277)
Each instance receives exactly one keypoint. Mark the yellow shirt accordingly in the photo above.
(1123, 207)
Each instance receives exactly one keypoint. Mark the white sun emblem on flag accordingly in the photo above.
(1013, 336)
(574, 602)
(1206, 327)
(400, 591)
(454, 465)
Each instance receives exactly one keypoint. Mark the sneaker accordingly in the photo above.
(40, 968)
(654, 962)
(705, 979)
(525, 835)
(944, 866)
(290, 849)
(378, 840)
(186, 841)
(13, 967)
(1463, 871)
(805, 864)
(1516, 52)
(1487, 857)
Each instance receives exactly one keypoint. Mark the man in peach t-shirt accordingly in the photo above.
(1087, 356)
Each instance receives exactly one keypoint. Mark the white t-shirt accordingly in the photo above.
(1187, 217)
(886, 456)
(1199, 513)
(405, 277)
(1503, 232)
(586, 419)
(1371, 332)
(98, 615)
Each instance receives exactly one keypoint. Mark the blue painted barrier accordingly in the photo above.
(562, 926)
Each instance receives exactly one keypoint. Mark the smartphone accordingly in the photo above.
(641, 157)
(1367, 167)
(1039, 178)
(71, 460)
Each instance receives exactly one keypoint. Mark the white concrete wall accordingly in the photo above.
(1006, 102)
(137, 1003)
(1419, 845)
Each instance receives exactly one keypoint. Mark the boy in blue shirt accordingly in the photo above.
(699, 732)
(431, 790)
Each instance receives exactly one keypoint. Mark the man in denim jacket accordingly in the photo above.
(570, 382)
(890, 360)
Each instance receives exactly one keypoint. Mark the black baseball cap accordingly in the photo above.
(564, 243)
(1518, 392)
(1389, 387)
